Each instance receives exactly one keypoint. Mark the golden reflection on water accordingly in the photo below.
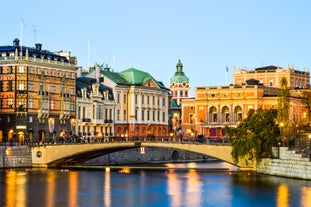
(15, 189)
(107, 190)
(305, 196)
(73, 188)
(282, 196)
(174, 188)
(50, 179)
(193, 190)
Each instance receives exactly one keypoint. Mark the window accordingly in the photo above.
(10, 70)
(147, 99)
(30, 86)
(79, 112)
(45, 71)
(180, 93)
(72, 75)
(124, 101)
(53, 72)
(135, 99)
(59, 74)
(163, 101)
(72, 90)
(0, 103)
(66, 75)
(30, 103)
(1, 69)
(186, 93)
(38, 70)
(10, 85)
(52, 102)
(21, 69)
(1, 86)
(72, 106)
(30, 119)
(30, 69)
(10, 103)
(163, 116)
(52, 88)
(41, 86)
(62, 88)
(143, 115)
(21, 86)
(124, 115)
(118, 114)
(118, 98)
(142, 99)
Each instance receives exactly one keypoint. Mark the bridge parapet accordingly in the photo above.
(46, 155)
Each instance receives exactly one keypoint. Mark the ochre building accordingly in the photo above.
(213, 108)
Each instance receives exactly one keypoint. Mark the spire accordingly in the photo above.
(179, 67)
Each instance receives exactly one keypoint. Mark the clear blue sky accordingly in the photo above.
(206, 35)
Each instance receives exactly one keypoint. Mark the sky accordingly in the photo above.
(207, 36)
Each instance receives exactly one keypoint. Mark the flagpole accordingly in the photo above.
(21, 53)
(227, 75)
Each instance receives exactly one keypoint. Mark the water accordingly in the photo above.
(193, 188)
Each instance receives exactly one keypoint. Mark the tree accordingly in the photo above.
(283, 110)
(255, 136)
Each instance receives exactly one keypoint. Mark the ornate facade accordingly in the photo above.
(213, 108)
(37, 94)
(95, 110)
(141, 102)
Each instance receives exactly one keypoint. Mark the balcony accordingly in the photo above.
(108, 121)
(86, 120)
(43, 93)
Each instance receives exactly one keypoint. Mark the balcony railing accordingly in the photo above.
(108, 121)
(86, 120)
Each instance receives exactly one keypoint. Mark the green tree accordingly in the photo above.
(283, 110)
(255, 135)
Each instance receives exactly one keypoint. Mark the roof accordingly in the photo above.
(131, 76)
(179, 76)
(270, 67)
(33, 52)
(86, 82)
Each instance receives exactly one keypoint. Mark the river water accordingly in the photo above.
(197, 186)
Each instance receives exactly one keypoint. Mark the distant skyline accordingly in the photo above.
(208, 36)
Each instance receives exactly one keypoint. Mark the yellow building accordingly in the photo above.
(213, 108)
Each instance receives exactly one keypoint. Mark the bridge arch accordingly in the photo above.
(53, 155)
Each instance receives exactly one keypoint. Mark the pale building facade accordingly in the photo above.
(95, 110)
(141, 102)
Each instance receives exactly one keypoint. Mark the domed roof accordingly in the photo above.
(179, 76)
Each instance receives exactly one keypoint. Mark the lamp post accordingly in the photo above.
(309, 136)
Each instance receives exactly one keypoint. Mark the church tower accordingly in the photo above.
(179, 84)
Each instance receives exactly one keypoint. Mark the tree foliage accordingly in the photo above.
(283, 109)
(255, 135)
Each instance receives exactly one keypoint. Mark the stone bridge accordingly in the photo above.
(76, 154)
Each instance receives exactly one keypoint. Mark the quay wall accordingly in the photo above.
(289, 164)
(15, 156)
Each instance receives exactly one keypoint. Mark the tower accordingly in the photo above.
(179, 84)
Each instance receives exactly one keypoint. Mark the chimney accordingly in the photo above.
(16, 42)
(38, 46)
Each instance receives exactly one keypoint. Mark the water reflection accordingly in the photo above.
(282, 196)
(107, 190)
(174, 187)
(15, 189)
(50, 191)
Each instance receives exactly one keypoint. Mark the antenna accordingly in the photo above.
(88, 51)
(34, 33)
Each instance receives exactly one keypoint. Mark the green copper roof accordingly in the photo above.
(135, 77)
(131, 76)
(179, 76)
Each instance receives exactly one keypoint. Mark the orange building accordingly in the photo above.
(37, 94)
(213, 108)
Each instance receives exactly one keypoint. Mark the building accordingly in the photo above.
(37, 94)
(141, 109)
(180, 88)
(95, 110)
(271, 76)
(213, 108)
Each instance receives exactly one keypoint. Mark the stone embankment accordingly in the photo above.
(288, 164)
(15, 156)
